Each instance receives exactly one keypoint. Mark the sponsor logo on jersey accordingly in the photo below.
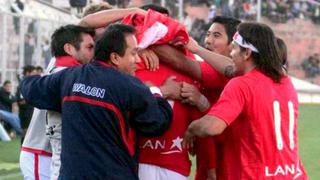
(176, 146)
(88, 90)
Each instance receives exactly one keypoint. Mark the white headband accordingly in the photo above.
(239, 40)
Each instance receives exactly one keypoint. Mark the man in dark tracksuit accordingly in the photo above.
(102, 106)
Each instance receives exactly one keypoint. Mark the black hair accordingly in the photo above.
(157, 8)
(112, 40)
(268, 59)
(39, 68)
(229, 23)
(71, 34)
(283, 51)
(27, 69)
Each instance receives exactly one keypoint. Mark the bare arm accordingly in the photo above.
(104, 18)
(206, 126)
(221, 63)
(178, 61)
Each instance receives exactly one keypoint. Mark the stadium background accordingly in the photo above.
(25, 35)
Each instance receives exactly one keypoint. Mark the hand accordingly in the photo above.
(193, 46)
(212, 175)
(192, 151)
(171, 89)
(188, 140)
(140, 11)
(190, 94)
(150, 58)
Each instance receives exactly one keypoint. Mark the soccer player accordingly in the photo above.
(102, 105)
(258, 110)
(162, 157)
(218, 39)
(71, 45)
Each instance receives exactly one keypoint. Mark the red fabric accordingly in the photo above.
(250, 148)
(36, 167)
(160, 151)
(66, 61)
(211, 78)
(176, 31)
(36, 151)
(212, 83)
(128, 139)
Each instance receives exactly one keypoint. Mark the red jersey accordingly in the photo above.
(261, 138)
(166, 151)
(213, 83)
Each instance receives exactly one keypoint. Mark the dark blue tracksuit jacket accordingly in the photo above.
(100, 106)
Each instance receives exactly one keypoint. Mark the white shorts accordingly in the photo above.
(152, 172)
(34, 166)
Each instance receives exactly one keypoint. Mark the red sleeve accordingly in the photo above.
(210, 77)
(231, 101)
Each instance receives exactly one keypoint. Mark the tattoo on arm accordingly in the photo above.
(229, 71)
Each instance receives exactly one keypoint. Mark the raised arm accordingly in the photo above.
(178, 61)
(221, 63)
(106, 17)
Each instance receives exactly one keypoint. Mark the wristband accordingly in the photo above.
(155, 90)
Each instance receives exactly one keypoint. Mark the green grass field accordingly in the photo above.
(309, 139)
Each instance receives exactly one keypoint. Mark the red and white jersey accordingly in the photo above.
(261, 137)
(166, 151)
(156, 28)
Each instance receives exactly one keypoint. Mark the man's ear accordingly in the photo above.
(114, 58)
(247, 53)
(69, 49)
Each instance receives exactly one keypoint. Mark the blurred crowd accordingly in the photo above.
(15, 113)
(311, 65)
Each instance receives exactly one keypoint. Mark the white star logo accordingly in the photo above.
(177, 143)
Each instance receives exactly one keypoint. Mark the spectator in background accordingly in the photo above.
(311, 66)
(39, 70)
(25, 109)
(78, 5)
(28, 50)
(46, 52)
(198, 18)
(17, 7)
(6, 102)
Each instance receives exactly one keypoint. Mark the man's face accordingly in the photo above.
(8, 87)
(238, 58)
(128, 62)
(86, 51)
(217, 40)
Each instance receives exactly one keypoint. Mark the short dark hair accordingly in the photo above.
(39, 68)
(93, 8)
(27, 69)
(71, 34)
(229, 23)
(112, 40)
(155, 7)
(6, 82)
(268, 59)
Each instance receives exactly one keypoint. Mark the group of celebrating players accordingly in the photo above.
(128, 100)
